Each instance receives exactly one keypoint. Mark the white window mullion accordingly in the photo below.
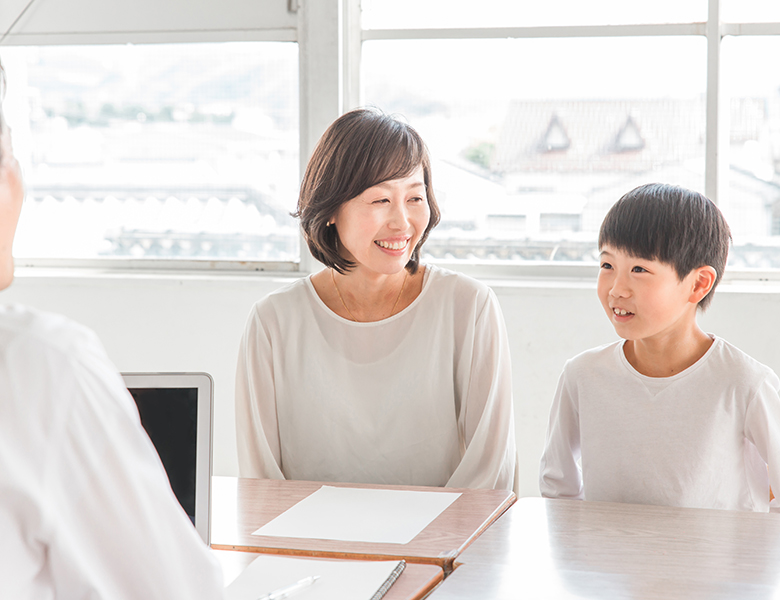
(320, 44)
(717, 111)
(351, 54)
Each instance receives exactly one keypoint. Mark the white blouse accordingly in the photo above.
(421, 398)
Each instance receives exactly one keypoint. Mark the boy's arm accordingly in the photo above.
(560, 475)
(762, 429)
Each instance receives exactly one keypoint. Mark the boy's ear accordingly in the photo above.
(703, 280)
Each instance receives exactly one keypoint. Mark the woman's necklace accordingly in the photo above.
(392, 312)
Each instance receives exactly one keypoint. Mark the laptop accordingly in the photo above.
(176, 411)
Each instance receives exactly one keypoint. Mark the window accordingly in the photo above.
(539, 117)
(157, 151)
(534, 139)
(188, 141)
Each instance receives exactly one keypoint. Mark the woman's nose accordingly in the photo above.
(399, 216)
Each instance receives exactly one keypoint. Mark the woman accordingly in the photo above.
(86, 510)
(376, 369)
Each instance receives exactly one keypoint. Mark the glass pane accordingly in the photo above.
(750, 11)
(752, 201)
(410, 14)
(533, 140)
(156, 151)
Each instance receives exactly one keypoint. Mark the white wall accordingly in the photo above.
(194, 322)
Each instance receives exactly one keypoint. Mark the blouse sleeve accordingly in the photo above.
(257, 428)
(560, 475)
(485, 419)
(762, 429)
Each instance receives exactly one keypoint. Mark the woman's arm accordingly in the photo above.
(486, 418)
(257, 428)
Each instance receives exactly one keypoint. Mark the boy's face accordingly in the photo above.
(645, 299)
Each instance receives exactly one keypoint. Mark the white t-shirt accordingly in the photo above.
(699, 439)
(86, 510)
(421, 398)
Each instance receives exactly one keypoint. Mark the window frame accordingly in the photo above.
(329, 36)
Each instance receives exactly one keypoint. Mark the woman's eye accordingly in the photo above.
(381, 201)
(416, 199)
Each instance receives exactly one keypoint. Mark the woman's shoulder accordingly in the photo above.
(287, 297)
(441, 278)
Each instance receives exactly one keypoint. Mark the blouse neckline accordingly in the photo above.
(323, 306)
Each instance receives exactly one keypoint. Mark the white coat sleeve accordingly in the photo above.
(486, 418)
(762, 429)
(560, 475)
(113, 527)
(257, 428)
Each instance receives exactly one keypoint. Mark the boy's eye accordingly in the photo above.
(606, 265)
(639, 270)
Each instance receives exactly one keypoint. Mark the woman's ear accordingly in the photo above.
(703, 280)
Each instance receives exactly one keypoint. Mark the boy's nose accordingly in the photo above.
(619, 288)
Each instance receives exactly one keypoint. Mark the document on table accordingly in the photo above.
(338, 579)
(360, 515)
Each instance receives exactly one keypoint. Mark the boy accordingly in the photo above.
(669, 415)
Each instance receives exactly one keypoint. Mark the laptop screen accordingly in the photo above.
(170, 417)
(175, 410)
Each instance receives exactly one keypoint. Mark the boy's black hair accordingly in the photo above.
(674, 225)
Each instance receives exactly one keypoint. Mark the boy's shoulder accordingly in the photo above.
(606, 355)
(733, 362)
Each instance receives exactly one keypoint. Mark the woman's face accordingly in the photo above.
(11, 195)
(379, 229)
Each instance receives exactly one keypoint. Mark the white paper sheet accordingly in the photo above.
(360, 515)
(339, 579)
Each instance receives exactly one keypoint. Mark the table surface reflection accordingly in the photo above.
(569, 549)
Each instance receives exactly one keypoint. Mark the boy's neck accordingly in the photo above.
(668, 355)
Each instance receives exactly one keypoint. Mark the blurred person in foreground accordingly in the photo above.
(86, 510)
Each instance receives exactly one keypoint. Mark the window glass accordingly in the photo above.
(750, 11)
(752, 202)
(156, 151)
(533, 140)
(406, 14)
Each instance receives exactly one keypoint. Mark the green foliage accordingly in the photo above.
(480, 154)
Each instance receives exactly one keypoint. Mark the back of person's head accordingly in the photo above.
(360, 149)
(671, 224)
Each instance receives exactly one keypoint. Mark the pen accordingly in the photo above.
(290, 589)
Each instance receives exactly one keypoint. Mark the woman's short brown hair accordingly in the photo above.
(360, 149)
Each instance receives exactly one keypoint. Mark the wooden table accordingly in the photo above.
(241, 506)
(568, 549)
(414, 583)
